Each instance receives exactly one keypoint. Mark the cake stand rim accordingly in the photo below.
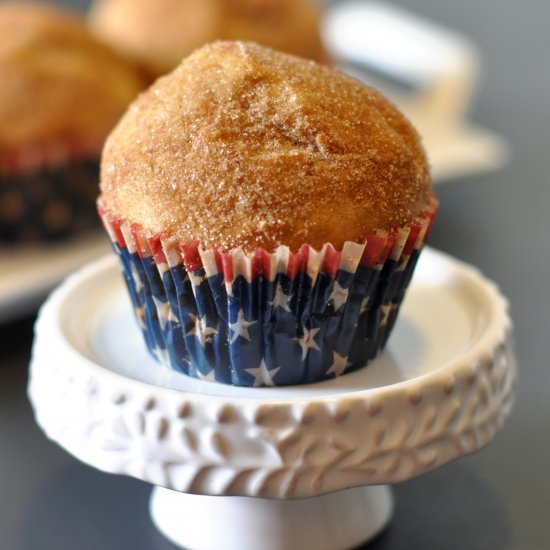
(346, 423)
(498, 333)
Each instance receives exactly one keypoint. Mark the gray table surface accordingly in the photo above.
(498, 498)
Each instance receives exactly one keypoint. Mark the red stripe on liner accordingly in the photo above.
(227, 261)
(412, 238)
(256, 263)
(191, 257)
(376, 252)
(375, 244)
(156, 248)
(297, 262)
(261, 263)
(15, 163)
(136, 234)
(331, 261)
(219, 260)
(387, 249)
(115, 225)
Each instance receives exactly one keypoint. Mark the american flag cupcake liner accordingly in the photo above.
(47, 196)
(267, 319)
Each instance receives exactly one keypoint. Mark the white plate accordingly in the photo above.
(28, 274)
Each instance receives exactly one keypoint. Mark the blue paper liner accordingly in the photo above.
(267, 319)
(49, 204)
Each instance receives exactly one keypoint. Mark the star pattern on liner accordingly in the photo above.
(386, 309)
(161, 354)
(140, 315)
(263, 376)
(240, 327)
(339, 295)
(339, 364)
(281, 299)
(164, 313)
(210, 377)
(201, 330)
(196, 280)
(211, 333)
(138, 285)
(307, 341)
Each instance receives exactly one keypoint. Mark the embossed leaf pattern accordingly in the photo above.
(139, 442)
(297, 450)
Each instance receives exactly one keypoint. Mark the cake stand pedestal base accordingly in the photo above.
(333, 521)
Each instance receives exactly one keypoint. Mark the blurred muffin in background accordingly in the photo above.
(61, 92)
(161, 33)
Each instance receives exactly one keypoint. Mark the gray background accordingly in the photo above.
(498, 498)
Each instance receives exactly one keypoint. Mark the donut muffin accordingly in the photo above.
(162, 32)
(268, 212)
(61, 93)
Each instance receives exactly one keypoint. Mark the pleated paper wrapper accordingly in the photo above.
(267, 318)
(47, 194)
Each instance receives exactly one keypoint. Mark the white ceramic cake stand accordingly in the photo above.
(275, 468)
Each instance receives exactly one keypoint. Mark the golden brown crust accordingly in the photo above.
(58, 83)
(244, 146)
(133, 27)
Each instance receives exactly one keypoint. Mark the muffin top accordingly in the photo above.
(245, 146)
(58, 83)
(162, 32)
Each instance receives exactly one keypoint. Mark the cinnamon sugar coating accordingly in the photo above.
(58, 83)
(245, 146)
(161, 33)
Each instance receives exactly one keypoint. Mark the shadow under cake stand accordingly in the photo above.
(297, 467)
